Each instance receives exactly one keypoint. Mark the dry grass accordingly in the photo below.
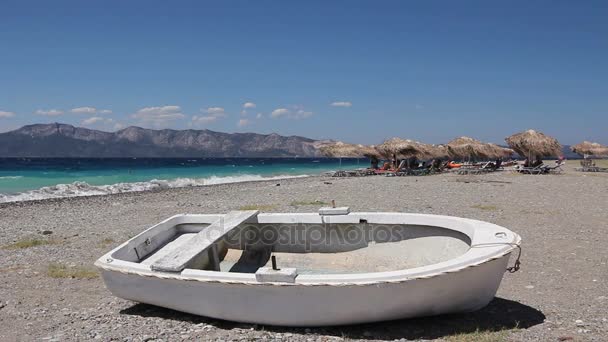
(62, 271)
(106, 241)
(303, 203)
(30, 242)
(260, 207)
(485, 207)
(479, 336)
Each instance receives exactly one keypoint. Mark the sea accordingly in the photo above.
(23, 179)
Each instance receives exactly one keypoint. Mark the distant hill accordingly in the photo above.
(62, 140)
(566, 152)
(569, 154)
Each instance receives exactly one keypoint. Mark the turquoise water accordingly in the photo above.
(22, 179)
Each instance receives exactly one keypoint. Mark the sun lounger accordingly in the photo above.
(555, 169)
(587, 165)
(537, 170)
(384, 172)
(591, 169)
(471, 171)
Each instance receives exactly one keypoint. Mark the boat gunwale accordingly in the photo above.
(480, 233)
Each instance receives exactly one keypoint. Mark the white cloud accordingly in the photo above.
(90, 110)
(296, 113)
(84, 110)
(92, 120)
(301, 114)
(217, 111)
(159, 116)
(246, 106)
(103, 123)
(202, 120)
(279, 112)
(5, 114)
(213, 114)
(259, 116)
(50, 112)
(341, 104)
(243, 122)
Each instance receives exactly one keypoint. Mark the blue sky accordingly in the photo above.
(358, 71)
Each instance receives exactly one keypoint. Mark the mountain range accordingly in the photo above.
(66, 141)
(62, 140)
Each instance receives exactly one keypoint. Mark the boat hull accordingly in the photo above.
(465, 290)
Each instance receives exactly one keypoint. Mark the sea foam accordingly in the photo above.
(78, 189)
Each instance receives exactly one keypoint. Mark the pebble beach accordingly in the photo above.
(49, 289)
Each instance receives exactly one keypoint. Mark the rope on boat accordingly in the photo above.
(517, 264)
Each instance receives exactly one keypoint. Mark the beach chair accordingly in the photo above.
(588, 165)
(339, 174)
(487, 166)
(420, 172)
(366, 172)
(555, 169)
(537, 170)
(472, 169)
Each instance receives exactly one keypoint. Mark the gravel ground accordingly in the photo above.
(561, 292)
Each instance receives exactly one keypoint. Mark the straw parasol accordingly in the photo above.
(534, 144)
(344, 150)
(469, 148)
(438, 151)
(370, 151)
(501, 152)
(587, 148)
(403, 148)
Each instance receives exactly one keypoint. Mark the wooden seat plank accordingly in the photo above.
(178, 259)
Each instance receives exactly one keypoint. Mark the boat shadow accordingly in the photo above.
(500, 314)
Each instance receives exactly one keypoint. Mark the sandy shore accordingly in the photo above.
(561, 292)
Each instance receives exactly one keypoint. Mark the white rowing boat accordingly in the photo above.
(333, 267)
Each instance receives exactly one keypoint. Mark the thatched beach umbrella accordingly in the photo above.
(500, 152)
(370, 151)
(344, 150)
(465, 148)
(587, 148)
(437, 151)
(469, 148)
(534, 144)
(403, 148)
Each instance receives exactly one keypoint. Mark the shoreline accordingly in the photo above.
(160, 188)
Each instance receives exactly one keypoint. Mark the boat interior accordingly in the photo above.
(246, 245)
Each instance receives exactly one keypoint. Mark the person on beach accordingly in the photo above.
(537, 162)
(374, 162)
(402, 165)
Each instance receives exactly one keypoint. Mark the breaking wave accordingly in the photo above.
(10, 177)
(78, 189)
